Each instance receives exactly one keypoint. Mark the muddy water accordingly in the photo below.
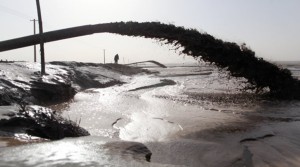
(202, 120)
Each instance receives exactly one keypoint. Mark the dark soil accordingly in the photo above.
(41, 122)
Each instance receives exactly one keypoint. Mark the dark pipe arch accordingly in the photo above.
(240, 61)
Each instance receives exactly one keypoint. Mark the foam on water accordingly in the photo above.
(98, 109)
(178, 127)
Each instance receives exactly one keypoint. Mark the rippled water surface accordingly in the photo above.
(204, 119)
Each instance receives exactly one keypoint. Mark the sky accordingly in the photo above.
(269, 27)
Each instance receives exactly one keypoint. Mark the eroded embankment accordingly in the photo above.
(21, 85)
(40, 122)
(21, 81)
(239, 60)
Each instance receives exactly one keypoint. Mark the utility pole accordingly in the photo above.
(104, 55)
(43, 71)
(34, 32)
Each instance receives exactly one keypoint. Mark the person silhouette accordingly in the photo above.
(116, 58)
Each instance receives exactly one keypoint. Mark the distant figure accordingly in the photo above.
(116, 58)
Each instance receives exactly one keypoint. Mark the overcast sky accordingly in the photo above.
(270, 27)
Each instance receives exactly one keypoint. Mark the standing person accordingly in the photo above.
(116, 58)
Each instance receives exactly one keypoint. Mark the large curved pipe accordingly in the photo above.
(238, 60)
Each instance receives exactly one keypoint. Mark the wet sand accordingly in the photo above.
(202, 120)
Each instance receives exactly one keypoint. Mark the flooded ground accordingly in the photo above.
(185, 116)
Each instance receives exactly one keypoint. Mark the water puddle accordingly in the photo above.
(198, 120)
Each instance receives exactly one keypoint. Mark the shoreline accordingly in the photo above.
(55, 90)
(173, 124)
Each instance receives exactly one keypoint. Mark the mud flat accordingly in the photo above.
(180, 120)
(22, 87)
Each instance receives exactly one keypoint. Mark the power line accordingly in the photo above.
(19, 14)
(14, 12)
(24, 16)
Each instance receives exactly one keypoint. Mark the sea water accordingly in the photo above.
(204, 119)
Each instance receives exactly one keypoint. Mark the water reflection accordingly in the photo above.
(86, 151)
(200, 121)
